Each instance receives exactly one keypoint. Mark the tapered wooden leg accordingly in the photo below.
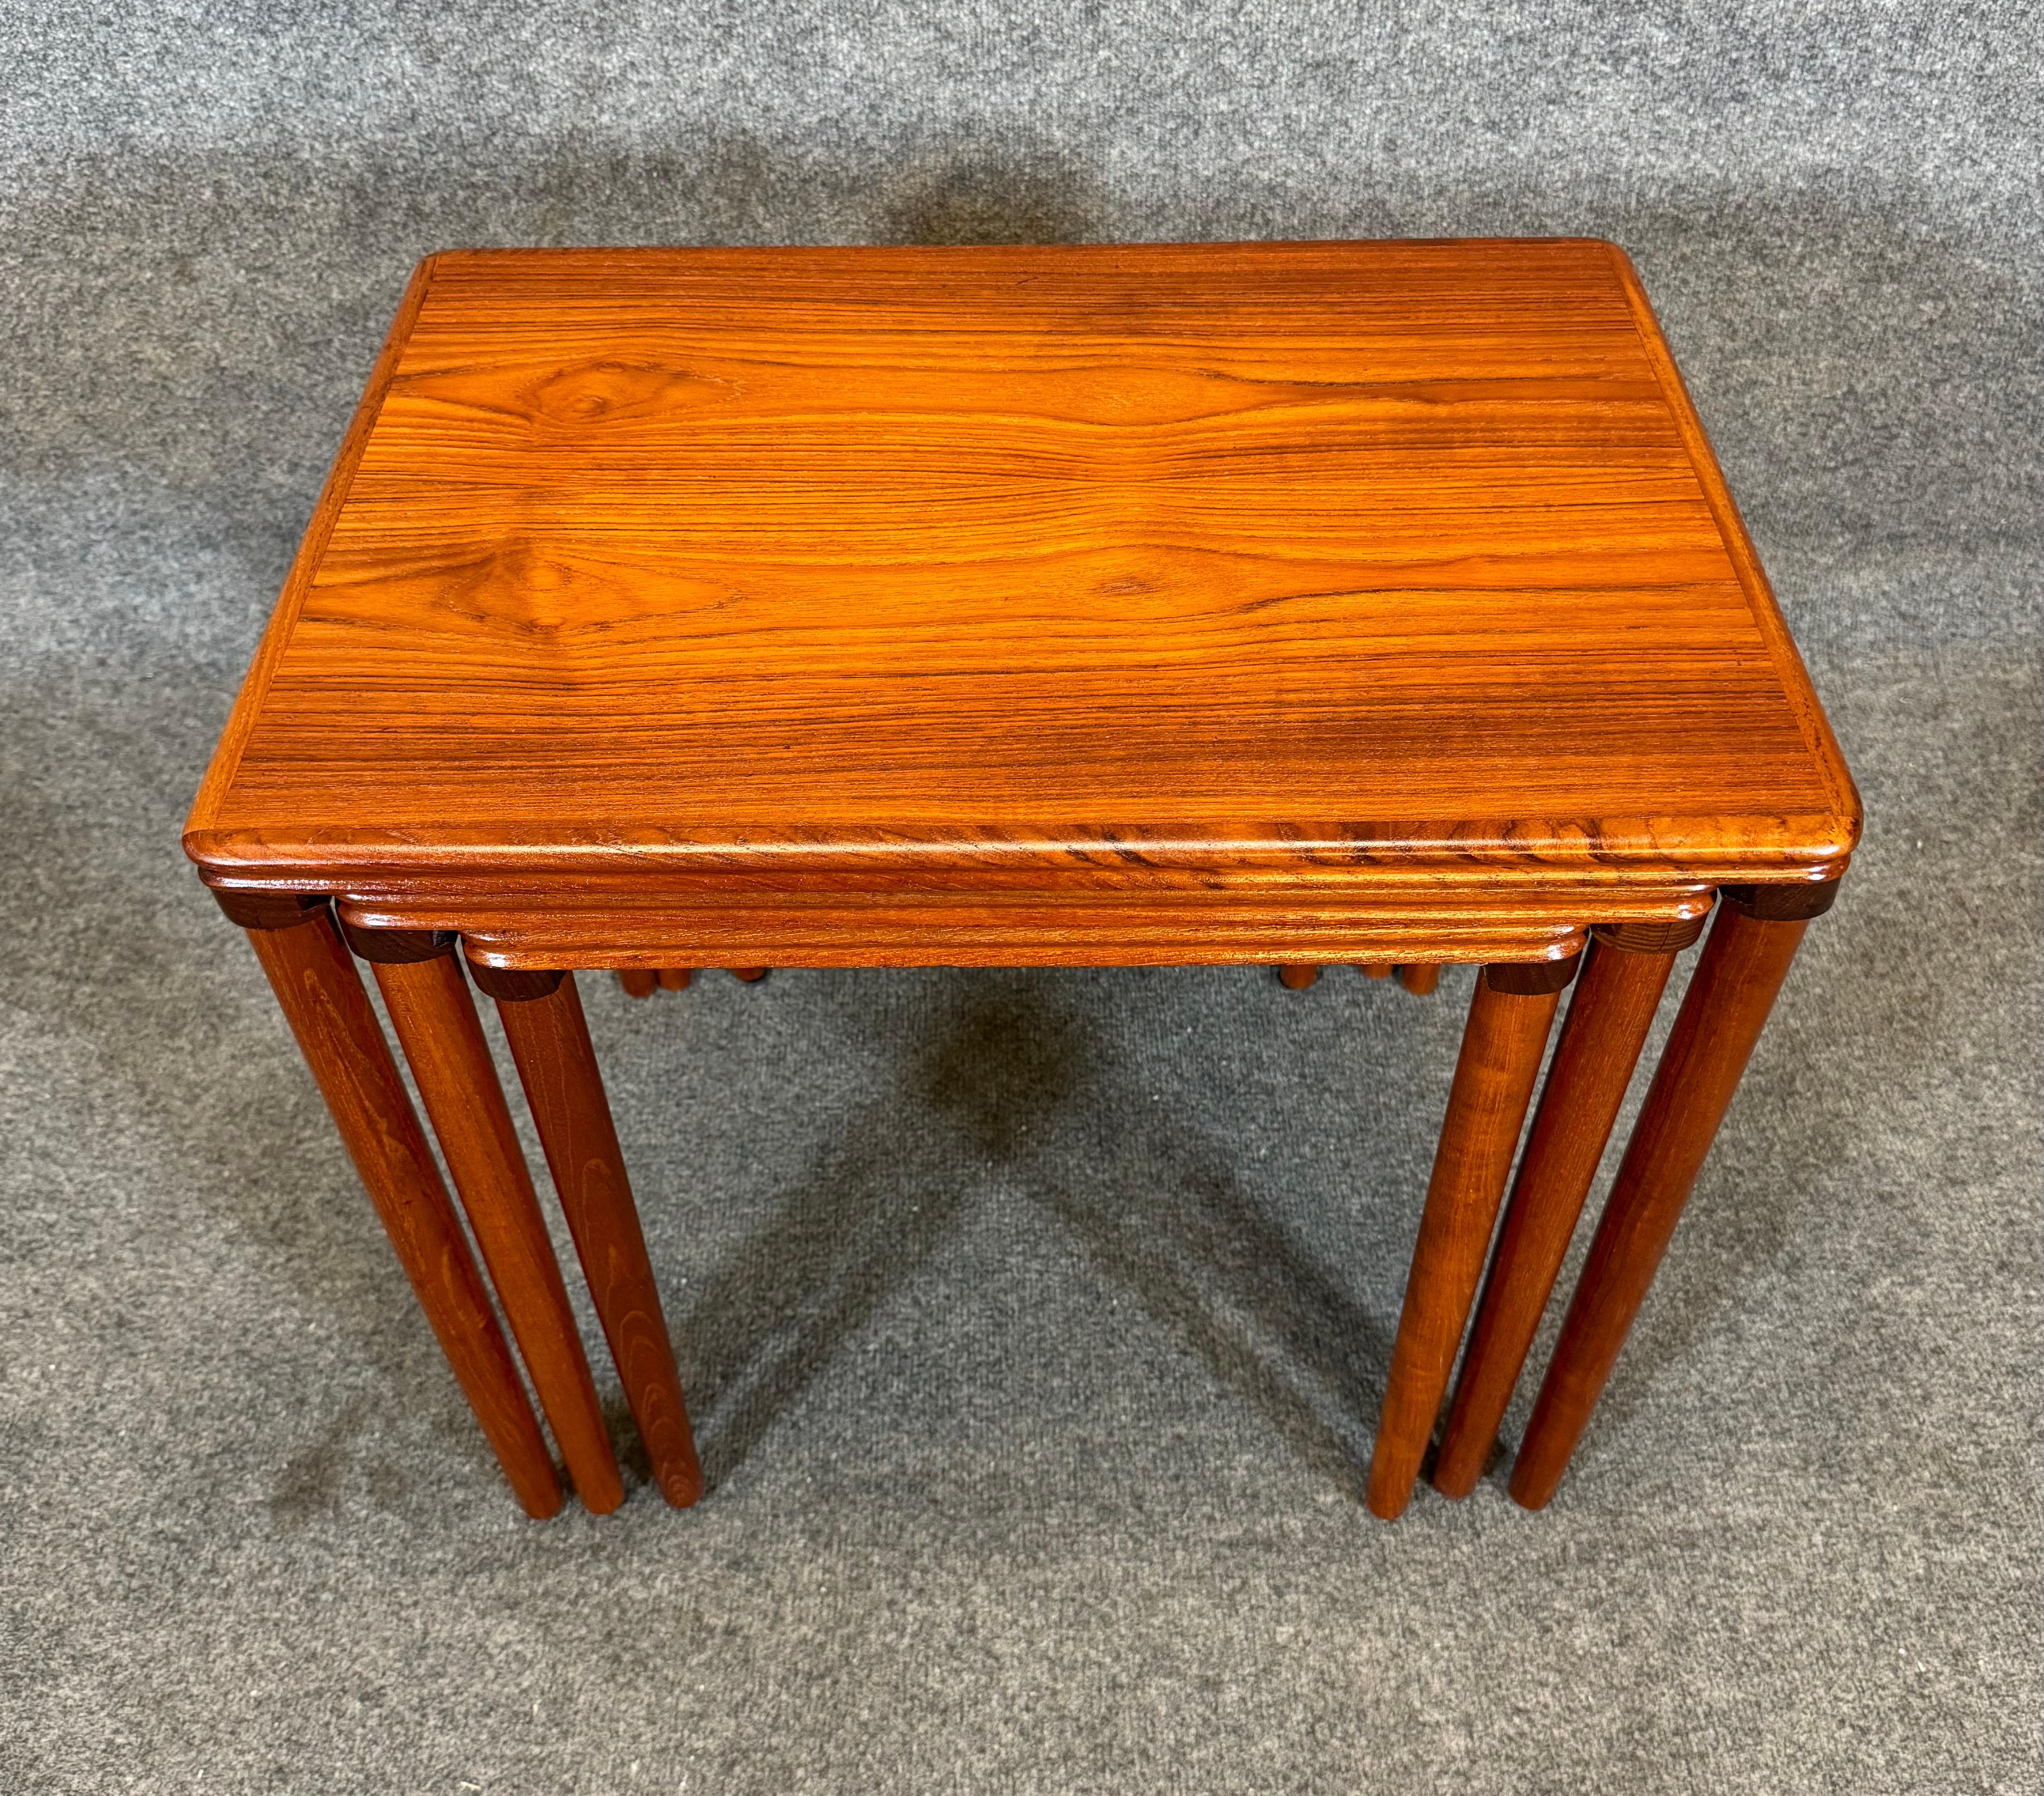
(1607, 1023)
(638, 981)
(1494, 1077)
(313, 976)
(542, 1020)
(674, 979)
(1297, 978)
(427, 996)
(1744, 963)
(1419, 980)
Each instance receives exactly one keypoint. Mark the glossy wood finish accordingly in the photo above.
(1744, 963)
(1607, 1027)
(1298, 978)
(638, 981)
(1292, 604)
(1058, 933)
(556, 1063)
(674, 979)
(1502, 1045)
(1149, 604)
(751, 975)
(436, 1025)
(1419, 980)
(321, 994)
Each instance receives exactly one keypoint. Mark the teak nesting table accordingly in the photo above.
(1157, 605)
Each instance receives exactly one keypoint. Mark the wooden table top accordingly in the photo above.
(1347, 569)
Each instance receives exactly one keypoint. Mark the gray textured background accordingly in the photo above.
(1036, 1323)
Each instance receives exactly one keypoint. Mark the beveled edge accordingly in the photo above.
(1807, 708)
(909, 928)
(1703, 850)
(555, 951)
(270, 647)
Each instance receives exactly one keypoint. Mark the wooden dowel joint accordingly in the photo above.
(269, 910)
(398, 947)
(1653, 938)
(1531, 978)
(1797, 903)
(510, 985)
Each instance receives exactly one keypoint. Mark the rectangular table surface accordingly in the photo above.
(1356, 567)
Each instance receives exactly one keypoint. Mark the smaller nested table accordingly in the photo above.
(1169, 604)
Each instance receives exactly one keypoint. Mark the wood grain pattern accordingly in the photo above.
(436, 1025)
(1502, 1043)
(1828, 758)
(1607, 1026)
(549, 1038)
(994, 572)
(1743, 964)
(905, 930)
(321, 994)
(255, 692)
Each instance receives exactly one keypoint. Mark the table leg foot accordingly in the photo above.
(321, 995)
(638, 981)
(1609, 1016)
(751, 975)
(1502, 1045)
(1419, 980)
(1297, 978)
(542, 1020)
(1744, 963)
(427, 998)
(675, 978)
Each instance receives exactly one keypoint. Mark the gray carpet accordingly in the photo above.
(1036, 1322)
